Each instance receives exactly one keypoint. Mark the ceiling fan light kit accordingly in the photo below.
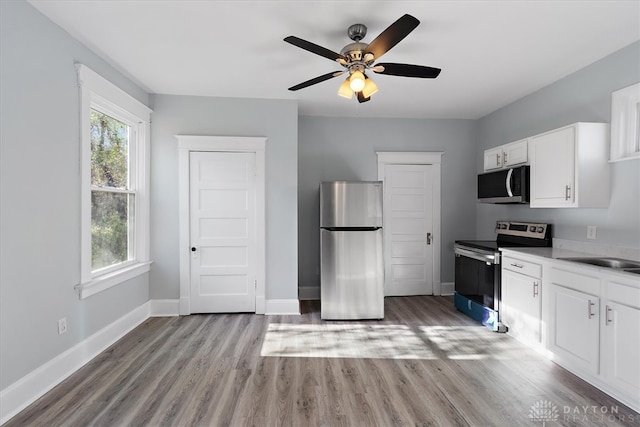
(369, 88)
(356, 81)
(358, 57)
(345, 89)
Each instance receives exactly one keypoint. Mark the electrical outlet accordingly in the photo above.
(62, 326)
(591, 232)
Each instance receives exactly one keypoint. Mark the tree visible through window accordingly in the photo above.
(112, 192)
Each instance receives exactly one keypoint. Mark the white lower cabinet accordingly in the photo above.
(521, 307)
(588, 319)
(592, 318)
(621, 337)
(574, 328)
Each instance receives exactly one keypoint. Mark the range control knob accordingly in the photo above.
(540, 229)
(503, 226)
(532, 228)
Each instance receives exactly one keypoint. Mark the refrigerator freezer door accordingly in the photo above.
(350, 204)
(352, 275)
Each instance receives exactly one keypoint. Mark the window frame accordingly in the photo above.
(99, 94)
(625, 123)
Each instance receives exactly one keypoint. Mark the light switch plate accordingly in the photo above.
(591, 232)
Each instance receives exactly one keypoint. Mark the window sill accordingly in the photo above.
(114, 278)
(634, 156)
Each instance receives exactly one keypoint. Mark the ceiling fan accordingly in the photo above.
(358, 57)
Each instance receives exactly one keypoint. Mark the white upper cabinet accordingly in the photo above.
(515, 153)
(569, 167)
(493, 159)
(507, 155)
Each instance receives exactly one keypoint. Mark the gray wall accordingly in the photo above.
(583, 96)
(192, 115)
(40, 195)
(332, 148)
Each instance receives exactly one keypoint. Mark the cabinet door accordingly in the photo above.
(553, 169)
(515, 153)
(621, 347)
(520, 307)
(573, 328)
(493, 159)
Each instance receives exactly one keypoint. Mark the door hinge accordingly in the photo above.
(255, 285)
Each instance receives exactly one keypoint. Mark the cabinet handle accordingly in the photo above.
(516, 265)
(567, 192)
(589, 305)
(607, 319)
(504, 158)
(497, 159)
(535, 289)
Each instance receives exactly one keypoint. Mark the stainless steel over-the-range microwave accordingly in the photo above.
(504, 186)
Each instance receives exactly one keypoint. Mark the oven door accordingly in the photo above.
(477, 276)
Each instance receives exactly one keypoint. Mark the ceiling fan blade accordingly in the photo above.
(408, 70)
(317, 80)
(392, 35)
(361, 97)
(313, 48)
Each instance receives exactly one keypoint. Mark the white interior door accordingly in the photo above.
(408, 229)
(223, 232)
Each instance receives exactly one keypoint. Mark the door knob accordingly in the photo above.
(193, 249)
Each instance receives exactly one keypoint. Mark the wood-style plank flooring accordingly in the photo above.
(425, 364)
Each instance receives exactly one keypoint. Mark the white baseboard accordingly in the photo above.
(447, 288)
(27, 389)
(283, 306)
(164, 307)
(309, 292)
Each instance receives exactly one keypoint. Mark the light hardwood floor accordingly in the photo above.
(425, 364)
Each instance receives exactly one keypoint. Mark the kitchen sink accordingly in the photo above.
(617, 263)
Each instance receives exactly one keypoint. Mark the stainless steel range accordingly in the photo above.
(477, 268)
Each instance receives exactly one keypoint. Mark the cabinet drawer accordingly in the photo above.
(523, 267)
(577, 281)
(627, 295)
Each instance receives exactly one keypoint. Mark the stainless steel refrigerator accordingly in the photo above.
(351, 256)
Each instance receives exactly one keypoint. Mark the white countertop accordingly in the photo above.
(557, 254)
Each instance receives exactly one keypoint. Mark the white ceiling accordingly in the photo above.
(491, 52)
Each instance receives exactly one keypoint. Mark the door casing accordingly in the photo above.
(191, 143)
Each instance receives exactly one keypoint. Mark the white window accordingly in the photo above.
(625, 123)
(115, 180)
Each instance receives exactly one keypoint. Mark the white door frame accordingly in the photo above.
(433, 158)
(189, 143)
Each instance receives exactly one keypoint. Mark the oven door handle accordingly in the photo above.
(475, 255)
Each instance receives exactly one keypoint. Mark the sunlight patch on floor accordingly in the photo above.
(344, 340)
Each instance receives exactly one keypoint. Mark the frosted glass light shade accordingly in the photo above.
(345, 90)
(369, 88)
(356, 81)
